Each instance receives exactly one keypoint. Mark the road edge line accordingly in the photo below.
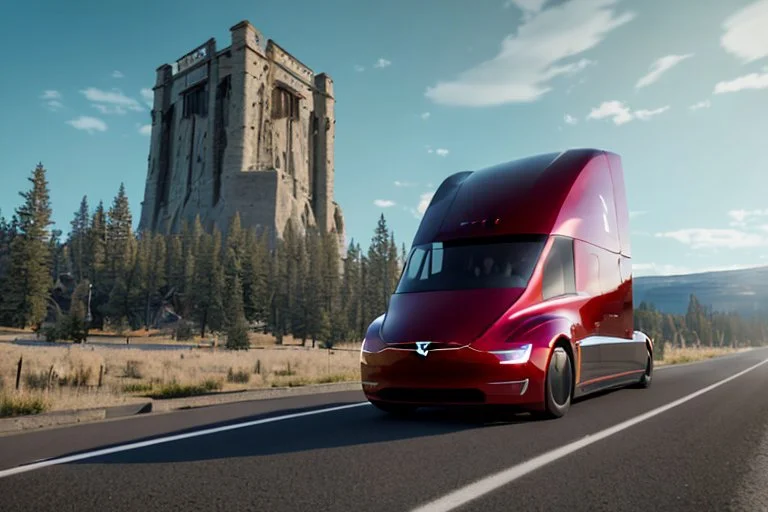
(490, 483)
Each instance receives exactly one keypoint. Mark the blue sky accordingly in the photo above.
(425, 89)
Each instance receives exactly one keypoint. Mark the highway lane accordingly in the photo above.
(709, 452)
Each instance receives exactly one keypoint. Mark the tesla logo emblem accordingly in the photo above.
(421, 347)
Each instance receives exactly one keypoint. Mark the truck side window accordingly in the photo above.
(559, 270)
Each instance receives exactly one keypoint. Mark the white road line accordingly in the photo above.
(168, 439)
(488, 484)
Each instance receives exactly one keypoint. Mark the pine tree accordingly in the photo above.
(59, 256)
(78, 241)
(393, 267)
(378, 272)
(25, 297)
(313, 297)
(207, 288)
(121, 250)
(119, 235)
(233, 296)
(174, 269)
(234, 250)
(97, 245)
(96, 257)
(7, 234)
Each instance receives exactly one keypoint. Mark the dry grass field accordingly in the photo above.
(692, 354)
(66, 376)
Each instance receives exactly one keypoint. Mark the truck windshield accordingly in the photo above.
(468, 264)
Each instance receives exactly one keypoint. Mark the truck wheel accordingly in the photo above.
(558, 387)
(645, 380)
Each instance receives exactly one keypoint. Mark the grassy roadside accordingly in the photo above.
(67, 377)
(693, 354)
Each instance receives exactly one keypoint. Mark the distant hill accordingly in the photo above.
(742, 291)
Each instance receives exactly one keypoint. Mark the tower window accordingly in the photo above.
(196, 102)
(284, 104)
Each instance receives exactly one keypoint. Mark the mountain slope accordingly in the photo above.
(743, 291)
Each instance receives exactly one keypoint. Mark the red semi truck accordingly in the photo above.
(517, 291)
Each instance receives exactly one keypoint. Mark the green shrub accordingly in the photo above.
(138, 387)
(175, 390)
(79, 377)
(237, 336)
(37, 380)
(21, 405)
(239, 376)
(184, 331)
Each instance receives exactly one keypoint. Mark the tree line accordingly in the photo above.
(700, 326)
(214, 282)
(228, 284)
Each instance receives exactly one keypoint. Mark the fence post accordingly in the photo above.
(329, 360)
(50, 377)
(101, 373)
(18, 372)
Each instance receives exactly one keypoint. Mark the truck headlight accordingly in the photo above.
(517, 355)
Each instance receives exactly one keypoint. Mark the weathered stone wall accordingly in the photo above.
(240, 156)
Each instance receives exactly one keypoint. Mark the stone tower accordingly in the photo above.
(247, 129)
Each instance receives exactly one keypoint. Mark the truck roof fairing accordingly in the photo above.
(577, 193)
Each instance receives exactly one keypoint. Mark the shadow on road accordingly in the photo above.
(357, 426)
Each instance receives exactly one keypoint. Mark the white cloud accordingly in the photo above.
(537, 53)
(359, 68)
(573, 86)
(526, 5)
(750, 81)
(404, 184)
(741, 217)
(117, 74)
(148, 95)
(424, 200)
(614, 109)
(384, 203)
(645, 115)
(745, 35)
(115, 98)
(88, 124)
(382, 63)
(661, 66)
(700, 105)
(425, 115)
(529, 7)
(51, 95)
(621, 114)
(54, 105)
(570, 119)
(438, 151)
(109, 109)
(145, 129)
(701, 238)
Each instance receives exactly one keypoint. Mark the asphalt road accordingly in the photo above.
(703, 452)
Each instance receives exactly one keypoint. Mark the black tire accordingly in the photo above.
(558, 389)
(645, 380)
(394, 409)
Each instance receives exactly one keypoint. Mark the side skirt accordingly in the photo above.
(612, 381)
